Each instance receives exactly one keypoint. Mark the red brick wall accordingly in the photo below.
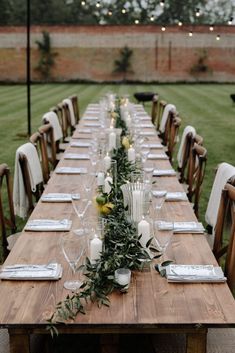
(88, 52)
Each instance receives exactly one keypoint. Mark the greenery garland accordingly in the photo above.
(121, 249)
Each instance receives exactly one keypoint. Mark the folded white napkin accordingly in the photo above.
(48, 225)
(146, 125)
(152, 145)
(76, 156)
(80, 144)
(85, 131)
(148, 133)
(70, 170)
(157, 156)
(90, 117)
(194, 273)
(51, 271)
(181, 227)
(92, 124)
(59, 197)
(176, 196)
(164, 172)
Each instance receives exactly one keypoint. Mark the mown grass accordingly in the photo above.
(207, 107)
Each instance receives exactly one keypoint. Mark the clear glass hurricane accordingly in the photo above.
(73, 245)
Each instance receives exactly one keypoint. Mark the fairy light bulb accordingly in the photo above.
(190, 34)
(83, 3)
(152, 18)
(137, 22)
(211, 28)
(230, 21)
(218, 37)
(163, 28)
(124, 10)
(98, 4)
(180, 23)
(162, 3)
(198, 12)
(110, 13)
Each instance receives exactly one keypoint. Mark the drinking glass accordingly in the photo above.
(144, 152)
(80, 207)
(162, 237)
(87, 182)
(158, 199)
(73, 245)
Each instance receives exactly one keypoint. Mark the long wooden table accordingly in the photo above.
(152, 305)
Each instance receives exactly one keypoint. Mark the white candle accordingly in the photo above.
(107, 162)
(128, 121)
(123, 276)
(107, 187)
(100, 179)
(131, 154)
(144, 231)
(112, 140)
(95, 249)
(137, 205)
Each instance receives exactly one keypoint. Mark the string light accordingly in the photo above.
(123, 10)
(98, 4)
(218, 37)
(190, 34)
(162, 3)
(137, 22)
(83, 3)
(180, 23)
(211, 28)
(163, 28)
(110, 13)
(152, 18)
(230, 21)
(198, 12)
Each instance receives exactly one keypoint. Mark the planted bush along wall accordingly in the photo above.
(89, 52)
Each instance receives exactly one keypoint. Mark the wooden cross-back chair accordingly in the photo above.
(7, 218)
(160, 108)
(74, 100)
(47, 133)
(154, 109)
(39, 142)
(189, 143)
(173, 135)
(66, 112)
(198, 159)
(221, 245)
(33, 196)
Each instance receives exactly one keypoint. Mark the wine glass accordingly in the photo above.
(144, 152)
(87, 183)
(159, 197)
(80, 207)
(162, 237)
(73, 245)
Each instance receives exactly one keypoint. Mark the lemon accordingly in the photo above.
(107, 208)
(125, 142)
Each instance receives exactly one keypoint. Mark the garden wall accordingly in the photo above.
(89, 52)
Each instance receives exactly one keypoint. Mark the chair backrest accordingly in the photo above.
(173, 135)
(222, 245)
(37, 139)
(47, 133)
(197, 166)
(190, 140)
(74, 100)
(67, 119)
(160, 109)
(154, 109)
(6, 221)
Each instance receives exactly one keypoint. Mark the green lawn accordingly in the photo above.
(208, 107)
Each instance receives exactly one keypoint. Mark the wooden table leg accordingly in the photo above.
(196, 342)
(19, 342)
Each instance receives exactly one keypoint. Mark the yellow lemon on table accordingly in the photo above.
(125, 142)
(106, 209)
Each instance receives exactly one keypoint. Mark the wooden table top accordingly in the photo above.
(150, 302)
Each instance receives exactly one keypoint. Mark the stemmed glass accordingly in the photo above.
(73, 245)
(80, 207)
(144, 152)
(162, 237)
(87, 183)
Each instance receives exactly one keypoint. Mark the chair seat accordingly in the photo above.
(12, 240)
(59, 156)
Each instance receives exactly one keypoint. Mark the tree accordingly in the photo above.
(123, 65)
(46, 60)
